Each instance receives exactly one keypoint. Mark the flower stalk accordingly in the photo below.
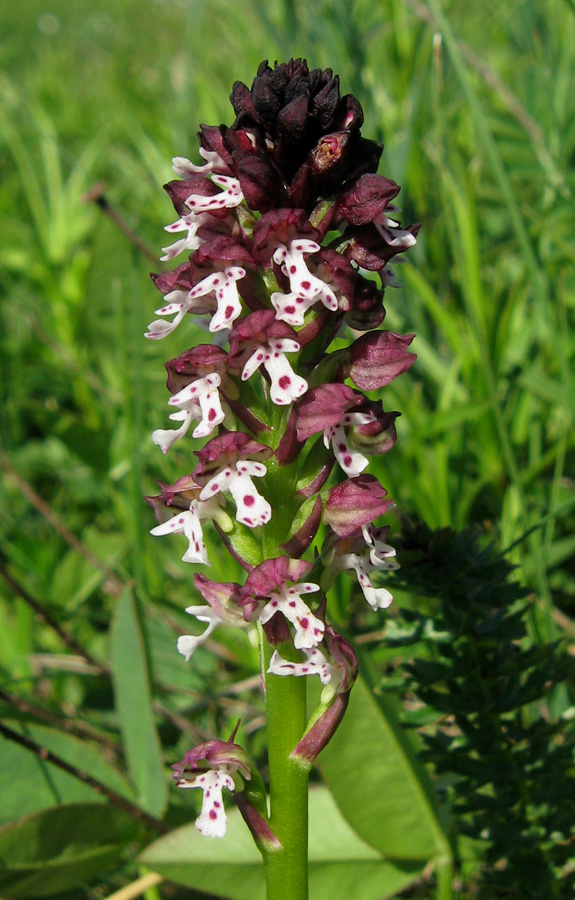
(288, 232)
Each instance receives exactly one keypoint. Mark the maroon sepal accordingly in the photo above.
(257, 824)
(288, 447)
(300, 541)
(321, 732)
(378, 357)
(354, 503)
(180, 278)
(366, 199)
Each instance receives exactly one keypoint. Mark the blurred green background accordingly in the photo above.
(475, 104)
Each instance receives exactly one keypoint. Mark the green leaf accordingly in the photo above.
(62, 848)
(384, 792)
(28, 784)
(341, 864)
(133, 702)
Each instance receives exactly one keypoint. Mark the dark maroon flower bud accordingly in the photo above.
(219, 247)
(354, 503)
(180, 191)
(378, 357)
(367, 310)
(349, 114)
(366, 199)
(324, 407)
(260, 181)
(179, 279)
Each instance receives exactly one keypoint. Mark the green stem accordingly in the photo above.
(286, 869)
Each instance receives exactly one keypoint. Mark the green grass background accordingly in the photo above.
(476, 106)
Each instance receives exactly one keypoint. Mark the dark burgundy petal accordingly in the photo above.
(326, 102)
(256, 328)
(324, 406)
(198, 362)
(227, 449)
(349, 114)
(368, 249)
(378, 357)
(180, 278)
(221, 246)
(339, 272)
(367, 309)
(368, 197)
(272, 574)
(179, 191)
(241, 100)
(212, 755)
(354, 503)
(212, 138)
(260, 181)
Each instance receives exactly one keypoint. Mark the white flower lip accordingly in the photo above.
(305, 288)
(187, 522)
(188, 643)
(223, 284)
(316, 663)
(229, 198)
(251, 508)
(212, 821)
(286, 386)
(198, 400)
(309, 630)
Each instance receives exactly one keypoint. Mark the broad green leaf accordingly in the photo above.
(28, 784)
(62, 848)
(133, 702)
(380, 787)
(341, 864)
